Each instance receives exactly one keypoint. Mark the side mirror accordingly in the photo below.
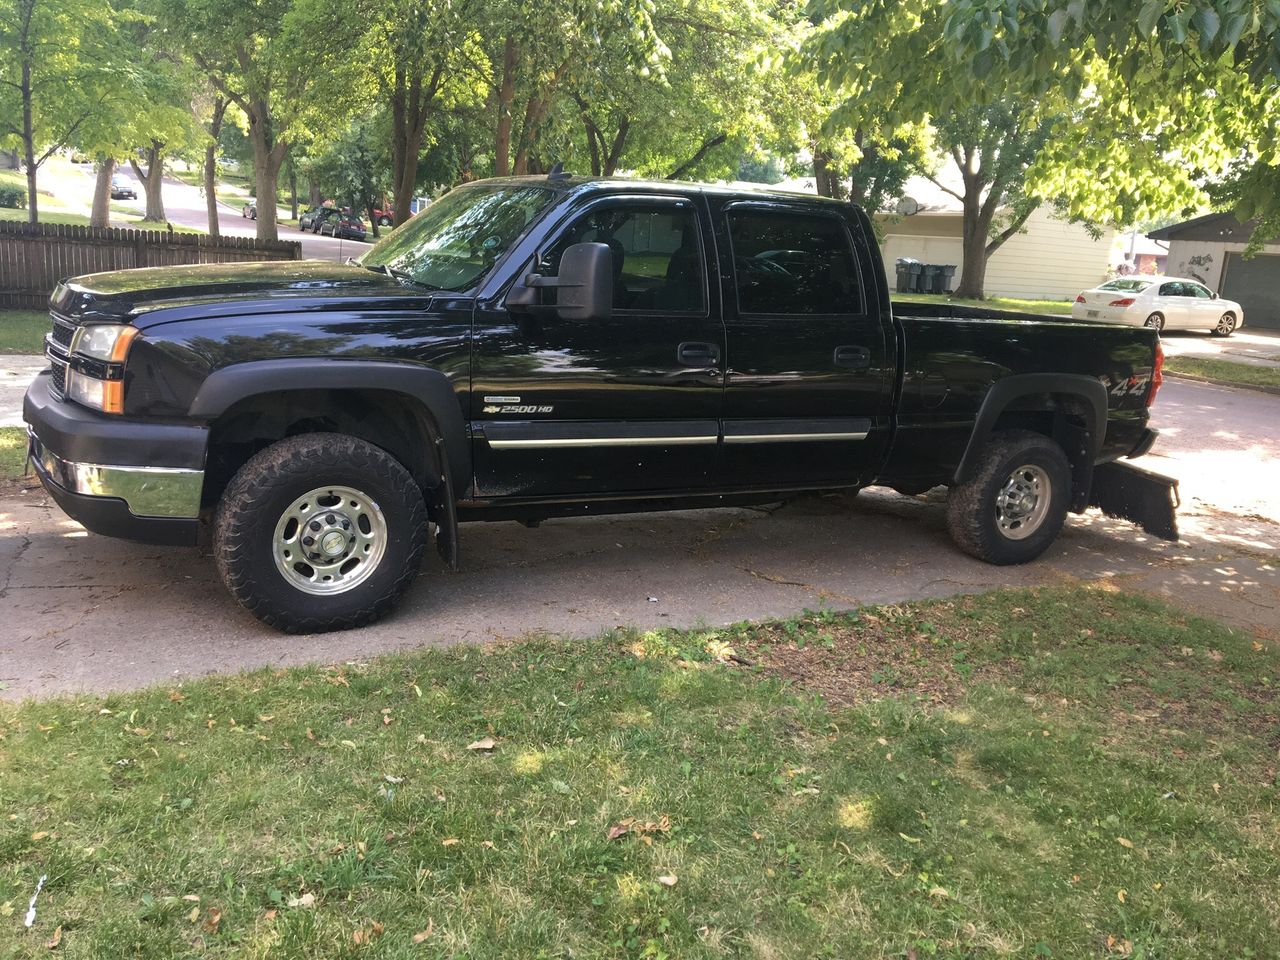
(1214, 295)
(584, 285)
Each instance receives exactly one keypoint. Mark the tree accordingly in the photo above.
(992, 147)
(1188, 89)
(253, 52)
(58, 57)
(891, 60)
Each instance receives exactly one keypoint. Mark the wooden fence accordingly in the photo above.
(35, 257)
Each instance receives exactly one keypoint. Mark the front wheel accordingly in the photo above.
(1226, 325)
(320, 532)
(1016, 502)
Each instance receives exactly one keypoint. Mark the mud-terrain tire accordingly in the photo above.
(1014, 505)
(370, 531)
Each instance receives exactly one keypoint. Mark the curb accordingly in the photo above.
(1252, 387)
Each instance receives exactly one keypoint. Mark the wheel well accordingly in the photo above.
(1065, 419)
(397, 423)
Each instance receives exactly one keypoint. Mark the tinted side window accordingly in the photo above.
(1195, 290)
(1171, 290)
(657, 256)
(793, 263)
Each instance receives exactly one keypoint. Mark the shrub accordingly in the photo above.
(12, 196)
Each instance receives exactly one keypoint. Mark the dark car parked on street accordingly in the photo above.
(344, 224)
(122, 189)
(310, 218)
(250, 210)
(530, 348)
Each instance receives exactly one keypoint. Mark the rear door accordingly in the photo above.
(809, 374)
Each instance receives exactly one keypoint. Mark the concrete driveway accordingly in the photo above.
(85, 612)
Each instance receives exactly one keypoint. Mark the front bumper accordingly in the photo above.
(108, 473)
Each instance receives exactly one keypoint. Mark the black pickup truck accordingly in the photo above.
(539, 347)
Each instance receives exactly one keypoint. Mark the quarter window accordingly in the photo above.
(793, 263)
(657, 256)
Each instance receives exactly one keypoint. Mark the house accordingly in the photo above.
(1211, 249)
(1049, 259)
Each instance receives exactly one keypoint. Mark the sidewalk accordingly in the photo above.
(16, 371)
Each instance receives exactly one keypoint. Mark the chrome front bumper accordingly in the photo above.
(147, 491)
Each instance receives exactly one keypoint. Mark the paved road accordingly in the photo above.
(184, 205)
(82, 611)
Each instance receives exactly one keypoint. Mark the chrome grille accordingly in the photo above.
(63, 330)
(57, 347)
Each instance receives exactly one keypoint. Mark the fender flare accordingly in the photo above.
(1003, 392)
(427, 386)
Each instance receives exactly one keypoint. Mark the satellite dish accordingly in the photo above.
(906, 207)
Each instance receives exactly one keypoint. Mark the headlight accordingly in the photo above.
(106, 341)
(95, 376)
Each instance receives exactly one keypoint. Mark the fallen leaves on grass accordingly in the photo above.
(486, 743)
(212, 919)
(55, 940)
(368, 934)
(425, 934)
(1125, 842)
(668, 879)
(641, 828)
(305, 901)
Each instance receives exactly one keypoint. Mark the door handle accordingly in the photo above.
(852, 358)
(696, 354)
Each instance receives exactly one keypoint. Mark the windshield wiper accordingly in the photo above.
(391, 271)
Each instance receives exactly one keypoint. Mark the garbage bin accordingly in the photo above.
(903, 267)
(932, 279)
(948, 274)
(916, 269)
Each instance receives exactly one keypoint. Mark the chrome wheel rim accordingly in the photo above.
(1155, 322)
(1226, 324)
(1023, 502)
(329, 540)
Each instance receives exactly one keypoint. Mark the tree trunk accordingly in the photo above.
(506, 98)
(100, 214)
(8, 159)
(688, 166)
(313, 193)
(29, 144)
(293, 192)
(152, 182)
(268, 155)
(973, 270)
(211, 167)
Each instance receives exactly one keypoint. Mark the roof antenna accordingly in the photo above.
(557, 172)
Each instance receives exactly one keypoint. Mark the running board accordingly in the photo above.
(1148, 499)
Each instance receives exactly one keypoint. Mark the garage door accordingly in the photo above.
(1255, 284)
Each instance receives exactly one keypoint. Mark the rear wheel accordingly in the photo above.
(1226, 325)
(320, 532)
(1016, 502)
(1155, 322)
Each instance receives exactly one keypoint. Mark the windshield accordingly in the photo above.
(1126, 286)
(452, 243)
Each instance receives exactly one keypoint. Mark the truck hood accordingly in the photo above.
(123, 294)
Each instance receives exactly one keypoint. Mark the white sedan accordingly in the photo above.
(1161, 303)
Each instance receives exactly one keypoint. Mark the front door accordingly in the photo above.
(809, 369)
(624, 405)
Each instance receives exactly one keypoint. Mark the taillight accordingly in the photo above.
(1126, 302)
(1157, 374)
(1080, 298)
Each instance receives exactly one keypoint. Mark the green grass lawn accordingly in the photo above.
(1246, 375)
(1048, 307)
(1060, 773)
(22, 331)
(13, 452)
